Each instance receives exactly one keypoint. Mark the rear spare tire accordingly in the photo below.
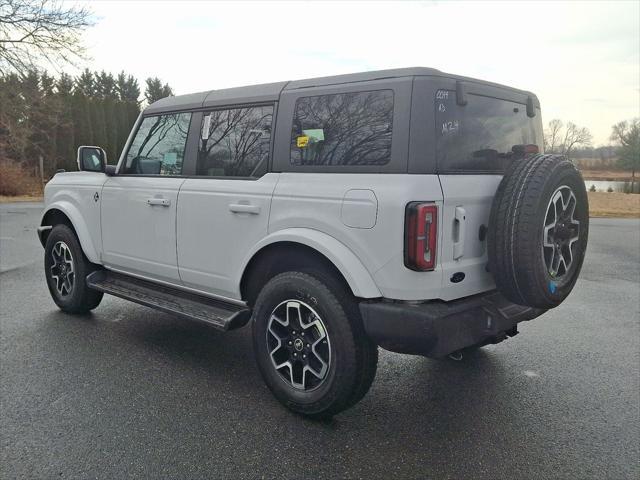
(538, 231)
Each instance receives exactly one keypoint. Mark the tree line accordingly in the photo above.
(43, 116)
(575, 143)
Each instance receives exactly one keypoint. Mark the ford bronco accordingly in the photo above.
(408, 209)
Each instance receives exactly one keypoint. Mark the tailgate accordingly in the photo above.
(465, 219)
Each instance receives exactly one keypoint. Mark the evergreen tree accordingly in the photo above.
(32, 121)
(64, 85)
(627, 135)
(13, 131)
(44, 116)
(155, 90)
(82, 127)
(65, 148)
(105, 85)
(98, 122)
(127, 88)
(85, 84)
(47, 84)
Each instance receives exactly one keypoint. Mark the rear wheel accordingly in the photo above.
(310, 345)
(66, 268)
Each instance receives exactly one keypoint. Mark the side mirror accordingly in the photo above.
(110, 170)
(91, 159)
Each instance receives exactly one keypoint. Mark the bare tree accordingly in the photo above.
(552, 135)
(575, 136)
(564, 139)
(34, 32)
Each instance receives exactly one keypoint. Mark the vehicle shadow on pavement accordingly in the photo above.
(157, 370)
(442, 393)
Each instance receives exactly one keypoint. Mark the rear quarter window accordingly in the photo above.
(347, 129)
(480, 136)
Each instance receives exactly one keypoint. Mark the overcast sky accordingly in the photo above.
(582, 59)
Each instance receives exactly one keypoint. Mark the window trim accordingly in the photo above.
(122, 164)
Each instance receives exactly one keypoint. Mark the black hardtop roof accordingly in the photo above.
(269, 92)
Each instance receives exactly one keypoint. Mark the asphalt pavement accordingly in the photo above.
(131, 392)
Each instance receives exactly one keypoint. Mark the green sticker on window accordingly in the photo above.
(315, 135)
(170, 158)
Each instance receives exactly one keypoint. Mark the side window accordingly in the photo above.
(235, 142)
(158, 147)
(343, 129)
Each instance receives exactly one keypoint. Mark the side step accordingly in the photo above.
(218, 314)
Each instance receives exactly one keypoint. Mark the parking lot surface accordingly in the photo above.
(128, 391)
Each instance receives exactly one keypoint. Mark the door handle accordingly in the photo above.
(163, 202)
(460, 227)
(244, 208)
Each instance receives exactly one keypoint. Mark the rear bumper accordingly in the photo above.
(437, 328)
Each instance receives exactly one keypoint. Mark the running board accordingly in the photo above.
(219, 314)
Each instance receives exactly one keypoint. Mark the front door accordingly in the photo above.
(139, 204)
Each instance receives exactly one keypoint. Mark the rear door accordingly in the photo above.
(476, 138)
(138, 216)
(223, 211)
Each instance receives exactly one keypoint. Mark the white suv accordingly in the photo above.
(407, 208)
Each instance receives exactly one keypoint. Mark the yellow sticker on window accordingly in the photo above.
(302, 141)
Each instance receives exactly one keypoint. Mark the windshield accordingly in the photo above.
(481, 135)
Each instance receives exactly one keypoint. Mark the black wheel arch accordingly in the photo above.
(281, 257)
(52, 218)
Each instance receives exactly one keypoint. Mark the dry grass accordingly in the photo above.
(604, 204)
(607, 175)
(15, 181)
(21, 198)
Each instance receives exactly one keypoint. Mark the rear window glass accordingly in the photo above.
(480, 135)
(343, 129)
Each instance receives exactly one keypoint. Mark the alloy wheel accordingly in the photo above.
(298, 344)
(62, 269)
(561, 231)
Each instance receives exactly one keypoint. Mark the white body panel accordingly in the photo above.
(73, 194)
(219, 221)
(209, 229)
(139, 225)
(316, 201)
(470, 196)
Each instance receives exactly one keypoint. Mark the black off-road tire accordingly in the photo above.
(354, 357)
(519, 227)
(79, 298)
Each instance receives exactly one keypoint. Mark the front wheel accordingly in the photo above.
(310, 345)
(66, 268)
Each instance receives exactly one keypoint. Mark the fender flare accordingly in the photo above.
(75, 217)
(355, 273)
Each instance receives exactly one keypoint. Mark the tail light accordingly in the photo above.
(420, 234)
